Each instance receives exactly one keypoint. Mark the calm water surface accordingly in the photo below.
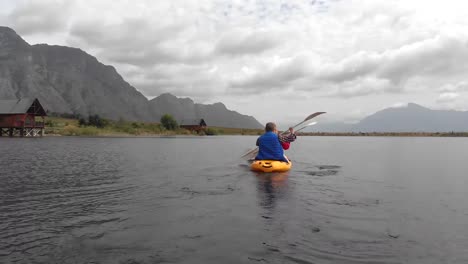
(191, 200)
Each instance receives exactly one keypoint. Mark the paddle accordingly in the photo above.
(308, 125)
(250, 152)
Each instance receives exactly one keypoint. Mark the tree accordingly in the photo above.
(82, 122)
(169, 122)
(96, 120)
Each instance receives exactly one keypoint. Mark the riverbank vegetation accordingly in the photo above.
(65, 125)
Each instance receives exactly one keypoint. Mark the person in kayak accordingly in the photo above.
(269, 144)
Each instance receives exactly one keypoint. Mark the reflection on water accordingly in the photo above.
(271, 186)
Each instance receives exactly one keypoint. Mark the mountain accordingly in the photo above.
(68, 80)
(412, 118)
(185, 110)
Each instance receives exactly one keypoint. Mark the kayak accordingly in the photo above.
(270, 166)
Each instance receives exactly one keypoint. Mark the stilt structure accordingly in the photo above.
(19, 118)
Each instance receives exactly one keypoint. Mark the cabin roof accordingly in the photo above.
(20, 106)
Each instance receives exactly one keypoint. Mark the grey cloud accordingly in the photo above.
(359, 64)
(235, 43)
(274, 78)
(138, 42)
(451, 88)
(194, 89)
(440, 56)
(434, 56)
(34, 17)
(134, 33)
(156, 54)
(185, 80)
(362, 87)
(138, 57)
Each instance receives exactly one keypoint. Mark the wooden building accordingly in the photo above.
(20, 118)
(193, 125)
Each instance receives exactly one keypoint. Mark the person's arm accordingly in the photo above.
(257, 143)
(287, 138)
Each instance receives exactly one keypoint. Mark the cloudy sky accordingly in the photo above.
(275, 60)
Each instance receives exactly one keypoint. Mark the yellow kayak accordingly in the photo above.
(270, 166)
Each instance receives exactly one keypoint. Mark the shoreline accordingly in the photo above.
(320, 134)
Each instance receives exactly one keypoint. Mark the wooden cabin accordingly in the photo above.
(193, 125)
(19, 118)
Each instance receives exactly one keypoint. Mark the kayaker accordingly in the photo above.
(269, 144)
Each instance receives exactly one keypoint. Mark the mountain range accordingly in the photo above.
(411, 118)
(68, 80)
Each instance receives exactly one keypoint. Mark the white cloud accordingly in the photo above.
(30, 17)
(399, 105)
(361, 87)
(458, 87)
(239, 42)
(448, 97)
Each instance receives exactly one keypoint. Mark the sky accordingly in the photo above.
(275, 60)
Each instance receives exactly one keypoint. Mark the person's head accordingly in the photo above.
(270, 127)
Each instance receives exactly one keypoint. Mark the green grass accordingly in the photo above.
(236, 131)
(70, 127)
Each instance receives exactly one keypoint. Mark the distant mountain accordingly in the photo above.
(68, 80)
(184, 110)
(412, 118)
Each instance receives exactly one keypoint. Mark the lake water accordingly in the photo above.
(192, 200)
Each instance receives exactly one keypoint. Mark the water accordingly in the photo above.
(191, 200)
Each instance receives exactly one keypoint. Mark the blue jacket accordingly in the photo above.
(270, 147)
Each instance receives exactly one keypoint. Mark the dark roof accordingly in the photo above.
(192, 122)
(20, 106)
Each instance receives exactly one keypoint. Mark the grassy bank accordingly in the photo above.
(236, 131)
(71, 127)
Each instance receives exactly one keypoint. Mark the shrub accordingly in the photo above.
(50, 123)
(70, 131)
(211, 132)
(82, 122)
(169, 122)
